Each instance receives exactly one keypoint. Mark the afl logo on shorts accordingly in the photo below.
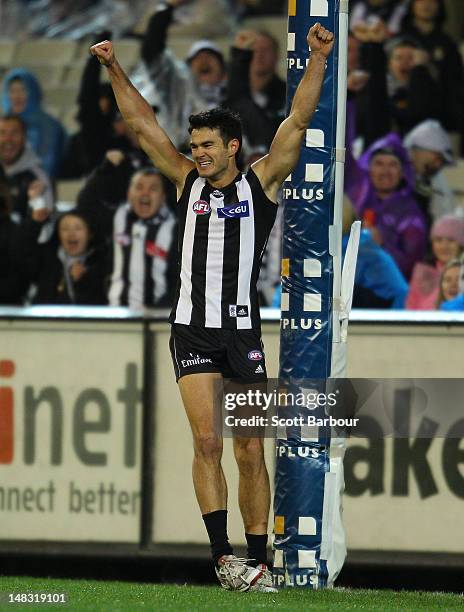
(255, 355)
(201, 207)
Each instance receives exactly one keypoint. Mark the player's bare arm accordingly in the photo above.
(142, 120)
(284, 153)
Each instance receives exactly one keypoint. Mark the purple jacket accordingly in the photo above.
(398, 217)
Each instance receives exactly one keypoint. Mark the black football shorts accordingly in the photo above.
(233, 353)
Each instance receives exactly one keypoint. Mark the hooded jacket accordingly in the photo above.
(398, 217)
(45, 134)
(377, 272)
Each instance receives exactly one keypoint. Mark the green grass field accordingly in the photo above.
(125, 596)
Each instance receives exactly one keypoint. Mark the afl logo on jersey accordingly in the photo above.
(255, 355)
(201, 207)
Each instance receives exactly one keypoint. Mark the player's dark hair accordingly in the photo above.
(223, 119)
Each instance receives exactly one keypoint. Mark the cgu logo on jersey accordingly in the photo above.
(242, 209)
(255, 355)
(201, 207)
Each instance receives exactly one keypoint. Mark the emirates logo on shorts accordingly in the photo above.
(201, 207)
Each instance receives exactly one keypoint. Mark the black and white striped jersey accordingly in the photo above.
(222, 237)
(143, 270)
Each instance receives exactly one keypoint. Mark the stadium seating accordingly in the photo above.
(7, 52)
(67, 191)
(59, 64)
(60, 96)
(45, 52)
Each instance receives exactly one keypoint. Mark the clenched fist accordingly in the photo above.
(104, 52)
(320, 40)
(245, 39)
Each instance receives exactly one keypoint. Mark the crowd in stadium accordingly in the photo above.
(117, 244)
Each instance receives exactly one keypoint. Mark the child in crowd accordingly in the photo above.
(72, 272)
(447, 238)
(449, 285)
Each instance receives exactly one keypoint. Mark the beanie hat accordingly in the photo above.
(204, 45)
(430, 136)
(449, 226)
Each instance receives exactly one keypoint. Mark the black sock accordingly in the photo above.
(257, 548)
(216, 526)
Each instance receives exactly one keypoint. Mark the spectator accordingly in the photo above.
(380, 185)
(430, 150)
(424, 23)
(144, 261)
(457, 303)
(356, 83)
(371, 12)
(12, 281)
(176, 88)
(413, 93)
(449, 286)
(97, 107)
(254, 89)
(106, 188)
(22, 96)
(30, 187)
(447, 238)
(72, 272)
(378, 281)
(401, 91)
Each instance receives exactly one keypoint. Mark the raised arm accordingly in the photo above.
(142, 120)
(284, 153)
